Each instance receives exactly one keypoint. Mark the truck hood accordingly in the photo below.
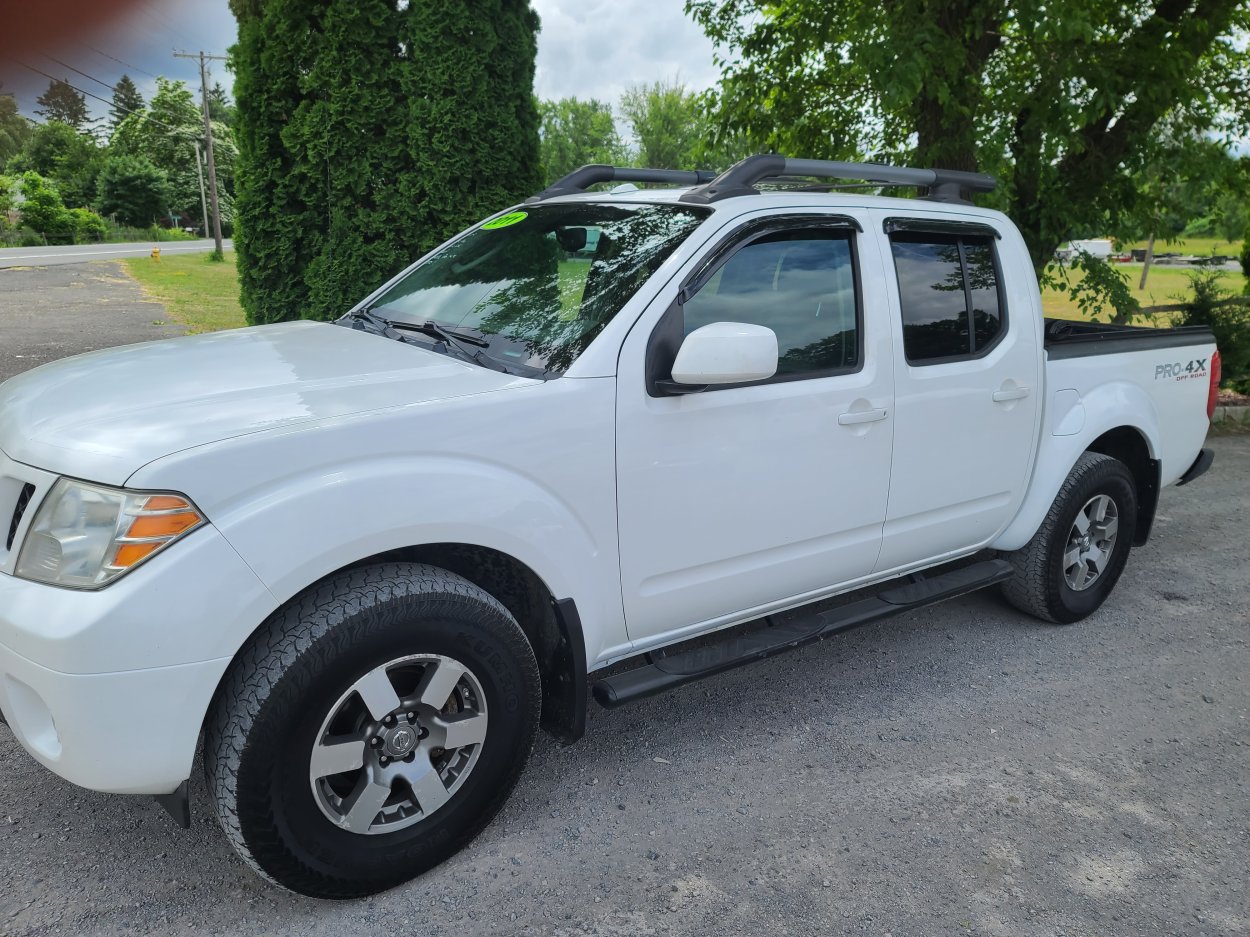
(103, 415)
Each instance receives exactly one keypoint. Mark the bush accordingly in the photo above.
(1245, 261)
(43, 210)
(133, 190)
(1230, 321)
(88, 227)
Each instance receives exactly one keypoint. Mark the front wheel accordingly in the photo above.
(371, 729)
(1074, 560)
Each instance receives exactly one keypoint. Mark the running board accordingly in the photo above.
(668, 670)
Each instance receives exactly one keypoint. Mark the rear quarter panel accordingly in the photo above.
(1160, 392)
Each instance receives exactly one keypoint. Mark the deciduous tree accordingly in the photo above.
(575, 132)
(133, 190)
(1062, 101)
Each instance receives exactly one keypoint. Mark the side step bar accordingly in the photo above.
(666, 671)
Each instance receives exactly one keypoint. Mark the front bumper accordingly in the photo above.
(132, 732)
(109, 689)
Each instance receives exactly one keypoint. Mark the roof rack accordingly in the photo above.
(579, 180)
(943, 185)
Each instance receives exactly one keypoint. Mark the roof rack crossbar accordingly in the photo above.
(579, 180)
(943, 185)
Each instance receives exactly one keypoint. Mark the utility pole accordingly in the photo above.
(204, 59)
(199, 172)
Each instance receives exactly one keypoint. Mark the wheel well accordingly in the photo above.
(1129, 446)
(552, 627)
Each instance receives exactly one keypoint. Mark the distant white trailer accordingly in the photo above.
(1101, 248)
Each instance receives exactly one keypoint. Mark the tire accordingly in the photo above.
(307, 696)
(1046, 583)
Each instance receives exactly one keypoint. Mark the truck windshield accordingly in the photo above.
(538, 284)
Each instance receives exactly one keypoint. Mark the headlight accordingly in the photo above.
(85, 536)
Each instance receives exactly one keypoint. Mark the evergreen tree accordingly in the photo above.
(472, 121)
(62, 103)
(220, 108)
(368, 132)
(280, 199)
(126, 101)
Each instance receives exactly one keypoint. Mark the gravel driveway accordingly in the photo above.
(51, 312)
(960, 770)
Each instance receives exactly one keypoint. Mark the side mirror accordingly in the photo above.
(723, 353)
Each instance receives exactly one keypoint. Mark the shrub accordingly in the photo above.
(43, 210)
(87, 225)
(1245, 261)
(133, 190)
(1209, 305)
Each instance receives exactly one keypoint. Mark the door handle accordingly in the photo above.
(852, 417)
(1011, 393)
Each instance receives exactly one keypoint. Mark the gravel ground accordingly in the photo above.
(960, 770)
(51, 312)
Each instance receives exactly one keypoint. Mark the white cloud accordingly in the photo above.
(599, 48)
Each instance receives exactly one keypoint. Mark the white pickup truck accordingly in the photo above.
(366, 560)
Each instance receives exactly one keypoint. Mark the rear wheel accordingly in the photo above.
(371, 729)
(1074, 560)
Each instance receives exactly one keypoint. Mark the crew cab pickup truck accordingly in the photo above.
(366, 560)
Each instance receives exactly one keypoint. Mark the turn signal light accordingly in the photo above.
(160, 519)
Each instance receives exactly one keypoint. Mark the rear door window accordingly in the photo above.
(949, 295)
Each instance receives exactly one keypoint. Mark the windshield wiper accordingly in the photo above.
(456, 340)
(379, 325)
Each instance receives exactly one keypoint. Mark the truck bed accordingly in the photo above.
(1067, 339)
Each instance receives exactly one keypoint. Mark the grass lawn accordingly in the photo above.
(200, 294)
(1199, 247)
(1164, 285)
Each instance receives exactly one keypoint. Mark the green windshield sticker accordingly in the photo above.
(504, 220)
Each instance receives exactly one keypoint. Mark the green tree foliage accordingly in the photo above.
(65, 156)
(42, 209)
(1101, 290)
(62, 103)
(15, 130)
(166, 133)
(573, 133)
(369, 132)
(86, 225)
(667, 123)
(220, 108)
(1212, 305)
(133, 190)
(126, 101)
(8, 199)
(1245, 260)
(1061, 101)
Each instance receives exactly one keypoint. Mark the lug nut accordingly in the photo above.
(423, 732)
(389, 720)
(384, 760)
(412, 716)
(375, 741)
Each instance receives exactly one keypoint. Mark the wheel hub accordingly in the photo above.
(1091, 542)
(400, 741)
(398, 744)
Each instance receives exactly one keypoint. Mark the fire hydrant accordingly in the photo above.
(156, 254)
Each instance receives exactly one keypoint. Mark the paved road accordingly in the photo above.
(961, 770)
(82, 253)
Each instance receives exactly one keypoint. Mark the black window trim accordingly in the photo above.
(958, 230)
(668, 334)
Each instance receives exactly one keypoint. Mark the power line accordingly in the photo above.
(140, 114)
(120, 62)
(72, 69)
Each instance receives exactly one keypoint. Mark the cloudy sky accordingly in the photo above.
(587, 48)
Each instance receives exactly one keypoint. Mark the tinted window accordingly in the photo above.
(800, 284)
(948, 293)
